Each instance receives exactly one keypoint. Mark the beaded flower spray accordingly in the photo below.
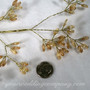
(61, 43)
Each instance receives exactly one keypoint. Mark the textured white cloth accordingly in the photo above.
(72, 72)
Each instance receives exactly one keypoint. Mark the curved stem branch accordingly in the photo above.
(47, 18)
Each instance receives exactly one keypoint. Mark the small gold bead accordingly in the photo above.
(80, 49)
(84, 38)
(84, 46)
(58, 55)
(73, 43)
(72, 7)
(1, 57)
(68, 44)
(84, 5)
(13, 51)
(43, 47)
(82, 0)
(15, 43)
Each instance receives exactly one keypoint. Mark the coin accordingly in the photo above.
(44, 69)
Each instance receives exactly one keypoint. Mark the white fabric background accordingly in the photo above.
(73, 69)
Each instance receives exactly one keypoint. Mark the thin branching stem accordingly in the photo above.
(3, 17)
(32, 29)
(23, 30)
(47, 18)
(6, 53)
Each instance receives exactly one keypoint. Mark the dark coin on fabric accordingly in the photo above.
(44, 69)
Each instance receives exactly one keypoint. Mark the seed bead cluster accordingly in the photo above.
(72, 5)
(63, 43)
(13, 48)
(10, 15)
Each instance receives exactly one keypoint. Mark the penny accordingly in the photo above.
(44, 69)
